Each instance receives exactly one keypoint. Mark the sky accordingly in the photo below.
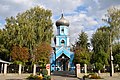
(83, 15)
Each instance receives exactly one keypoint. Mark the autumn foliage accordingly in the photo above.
(42, 53)
(20, 53)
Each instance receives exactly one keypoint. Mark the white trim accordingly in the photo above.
(68, 43)
(59, 49)
(57, 41)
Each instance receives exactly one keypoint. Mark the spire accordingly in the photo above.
(62, 13)
(62, 20)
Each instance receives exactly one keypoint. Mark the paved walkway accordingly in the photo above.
(54, 77)
(13, 77)
(24, 76)
(70, 78)
(63, 75)
(63, 78)
(111, 78)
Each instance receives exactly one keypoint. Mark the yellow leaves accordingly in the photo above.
(19, 53)
(42, 52)
(40, 77)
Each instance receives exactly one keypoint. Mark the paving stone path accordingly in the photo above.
(63, 78)
(64, 75)
(54, 77)
(13, 77)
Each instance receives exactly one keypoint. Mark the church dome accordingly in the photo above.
(62, 21)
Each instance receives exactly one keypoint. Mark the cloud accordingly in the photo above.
(78, 23)
(105, 4)
(12, 7)
(68, 6)
(83, 15)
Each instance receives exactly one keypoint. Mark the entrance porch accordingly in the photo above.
(62, 63)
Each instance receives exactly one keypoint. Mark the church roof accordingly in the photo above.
(64, 51)
(62, 21)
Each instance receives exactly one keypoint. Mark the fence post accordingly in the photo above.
(20, 67)
(48, 68)
(77, 69)
(5, 69)
(34, 69)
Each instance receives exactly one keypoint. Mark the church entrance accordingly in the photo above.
(62, 63)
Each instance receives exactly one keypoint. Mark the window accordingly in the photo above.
(62, 30)
(62, 42)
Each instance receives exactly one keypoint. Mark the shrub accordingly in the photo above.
(95, 76)
(47, 77)
(44, 72)
(85, 76)
(32, 77)
(92, 76)
(40, 77)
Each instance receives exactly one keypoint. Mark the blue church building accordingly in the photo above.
(62, 58)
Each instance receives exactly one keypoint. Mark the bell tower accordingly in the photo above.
(62, 38)
(62, 58)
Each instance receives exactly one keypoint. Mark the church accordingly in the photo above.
(62, 58)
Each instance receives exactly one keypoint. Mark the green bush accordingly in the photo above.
(92, 76)
(35, 77)
(86, 76)
(44, 72)
(47, 77)
(44, 76)
(95, 76)
(32, 77)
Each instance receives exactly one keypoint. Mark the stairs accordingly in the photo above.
(64, 73)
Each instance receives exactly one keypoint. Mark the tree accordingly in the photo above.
(28, 29)
(81, 50)
(100, 43)
(20, 54)
(83, 41)
(116, 53)
(81, 56)
(42, 54)
(4, 53)
(114, 20)
(114, 31)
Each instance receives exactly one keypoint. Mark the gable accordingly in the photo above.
(63, 51)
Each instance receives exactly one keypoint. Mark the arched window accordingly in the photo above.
(62, 42)
(62, 30)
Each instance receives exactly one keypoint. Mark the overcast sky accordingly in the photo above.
(83, 15)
